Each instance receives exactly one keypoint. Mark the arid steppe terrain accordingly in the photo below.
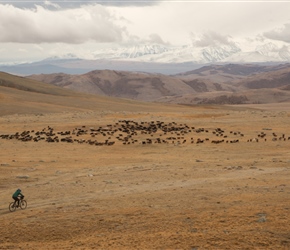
(173, 177)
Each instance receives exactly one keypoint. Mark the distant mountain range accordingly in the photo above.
(268, 52)
(155, 58)
(81, 66)
(213, 84)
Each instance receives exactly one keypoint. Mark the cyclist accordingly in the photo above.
(17, 196)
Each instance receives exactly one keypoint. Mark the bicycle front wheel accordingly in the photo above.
(12, 208)
(23, 204)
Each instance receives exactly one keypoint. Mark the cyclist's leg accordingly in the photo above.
(15, 200)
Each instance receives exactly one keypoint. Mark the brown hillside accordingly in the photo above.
(215, 84)
(25, 96)
(133, 85)
(272, 79)
(29, 85)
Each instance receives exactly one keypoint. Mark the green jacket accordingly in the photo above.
(17, 193)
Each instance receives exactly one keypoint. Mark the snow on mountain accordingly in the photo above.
(216, 54)
(130, 52)
(268, 52)
(169, 54)
(246, 57)
(155, 58)
(284, 53)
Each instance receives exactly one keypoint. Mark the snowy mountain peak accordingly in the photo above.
(141, 50)
(266, 48)
(157, 53)
(216, 54)
(131, 52)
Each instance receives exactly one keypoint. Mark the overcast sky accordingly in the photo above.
(34, 30)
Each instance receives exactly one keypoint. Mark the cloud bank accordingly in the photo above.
(210, 38)
(280, 34)
(40, 25)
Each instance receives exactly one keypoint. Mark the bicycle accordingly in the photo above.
(22, 205)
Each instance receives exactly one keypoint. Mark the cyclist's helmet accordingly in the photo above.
(19, 189)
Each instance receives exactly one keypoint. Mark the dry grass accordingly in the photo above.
(158, 196)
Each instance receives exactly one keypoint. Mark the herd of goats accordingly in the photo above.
(131, 132)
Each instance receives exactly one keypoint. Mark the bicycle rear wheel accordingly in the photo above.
(12, 208)
(23, 204)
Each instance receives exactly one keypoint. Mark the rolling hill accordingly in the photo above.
(20, 95)
(214, 84)
(133, 85)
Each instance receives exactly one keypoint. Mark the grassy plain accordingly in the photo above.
(149, 196)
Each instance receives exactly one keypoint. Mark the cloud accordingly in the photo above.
(210, 38)
(49, 3)
(280, 34)
(133, 40)
(77, 4)
(40, 25)
(155, 38)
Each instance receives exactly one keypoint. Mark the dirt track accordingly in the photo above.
(156, 196)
